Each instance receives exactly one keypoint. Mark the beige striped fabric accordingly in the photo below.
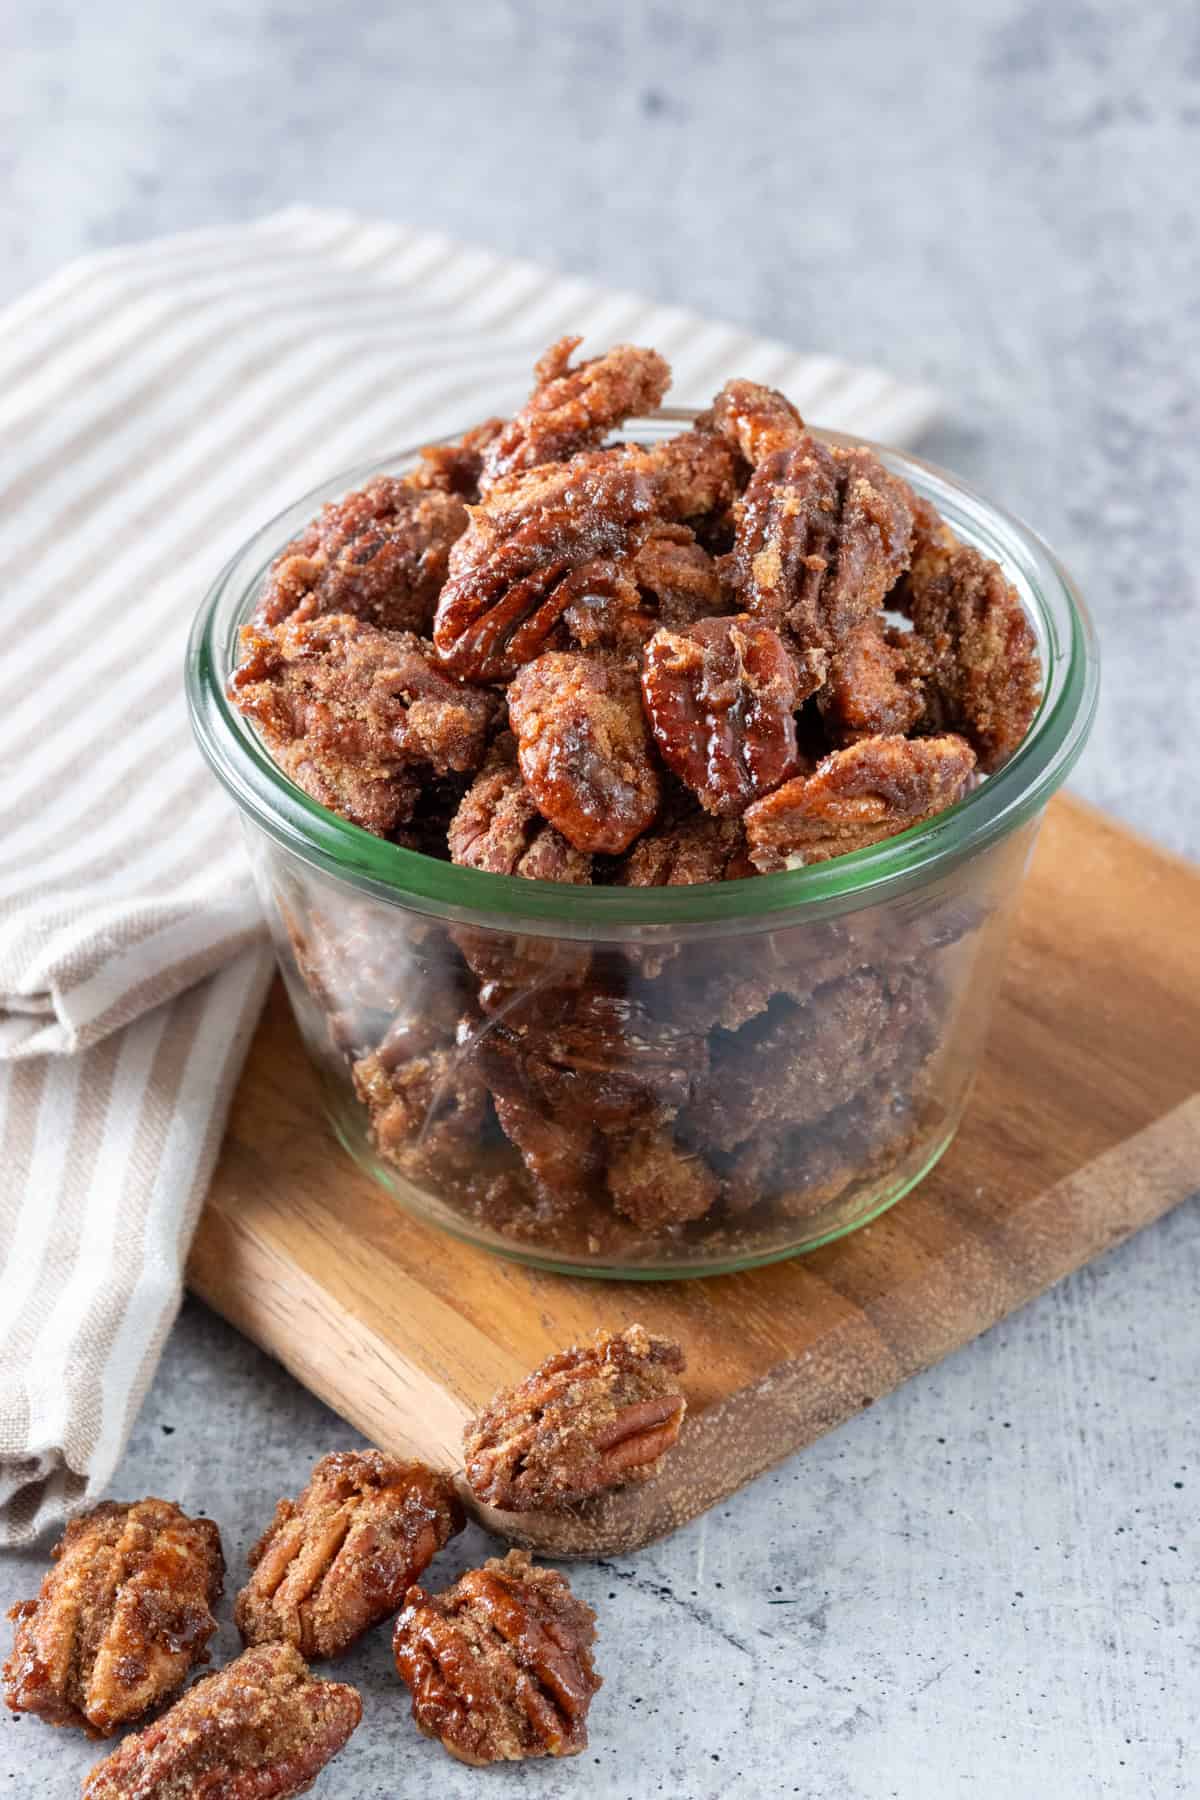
(156, 404)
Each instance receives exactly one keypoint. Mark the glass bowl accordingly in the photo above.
(649, 1081)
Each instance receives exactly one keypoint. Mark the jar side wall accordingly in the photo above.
(612, 1106)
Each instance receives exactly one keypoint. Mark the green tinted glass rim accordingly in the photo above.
(998, 806)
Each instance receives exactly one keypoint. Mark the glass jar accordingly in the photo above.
(649, 1081)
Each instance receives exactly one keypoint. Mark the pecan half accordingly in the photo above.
(821, 537)
(500, 1666)
(876, 685)
(499, 829)
(572, 409)
(380, 553)
(590, 1418)
(122, 1617)
(757, 420)
(426, 1103)
(584, 749)
(510, 572)
(985, 676)
(260, 1729)
(342, 1557)
(347, 710)
(683, 852)
(696, 472)
(721, 696)
(856, 797)
(654, 1181)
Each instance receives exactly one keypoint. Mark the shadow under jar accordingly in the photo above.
(650, 1081)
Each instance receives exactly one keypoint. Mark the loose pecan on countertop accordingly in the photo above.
(341, 1558)
(259, 1729)
(500, 1666)
(122, 1617)
(589, 1418)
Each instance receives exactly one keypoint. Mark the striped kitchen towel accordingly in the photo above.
(157, 403)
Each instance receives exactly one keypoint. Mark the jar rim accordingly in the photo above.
(997, 806)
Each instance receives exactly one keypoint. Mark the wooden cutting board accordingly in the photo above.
(1085, 1126)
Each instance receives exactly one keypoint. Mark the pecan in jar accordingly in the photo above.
(380, 553)
(822, 535)
(858, 796)
(721, 697)
(121, 1619)
(426, 1103)
(656, 1181)
(342, 1557)
(575, 408)
(584, 749)
(499, 829)
(348, 710)
(590, 1418)
(876, 684)
(511, 572)
(985, 675)
(684, 851)
(259, 1729)
(758, 421)
(500, 1666)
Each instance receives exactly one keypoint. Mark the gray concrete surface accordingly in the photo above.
(987, 1585)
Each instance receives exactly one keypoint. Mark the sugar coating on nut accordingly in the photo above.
(500, 1666)
(259, 1729)
(341, 1557)
(984, 677)
(584, 748)
(721, 696)
(350, 711)
(856, 797)
(122, 1617)
(593, 1417)
(574, 407)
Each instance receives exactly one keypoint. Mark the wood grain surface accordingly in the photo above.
(1084, 1127)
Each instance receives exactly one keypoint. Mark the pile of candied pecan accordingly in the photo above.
(720, 653)
(499, 1665)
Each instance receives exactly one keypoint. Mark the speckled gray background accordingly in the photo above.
(987, 1585)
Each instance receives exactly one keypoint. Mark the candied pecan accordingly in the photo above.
(798, 1061)
(342, 1557)
(510, 572)
(427, 1105)
(696, 472)
(259, 1729)
(573, 409)
(568, 1066)
(757, 420)
(592, 1417)
(876, 685)
(856, 797)
(721, 697)
(821, 536)
(665, 578)
(500, 1665)
(694, 849)
(985, 678)
(121, 1618)
(559, 1145)
(457, 467)
(677, 573)
(607, 1054)
(584, 749)
(654, 1181)
(499, 829)
(347, 708)
(380, 553)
